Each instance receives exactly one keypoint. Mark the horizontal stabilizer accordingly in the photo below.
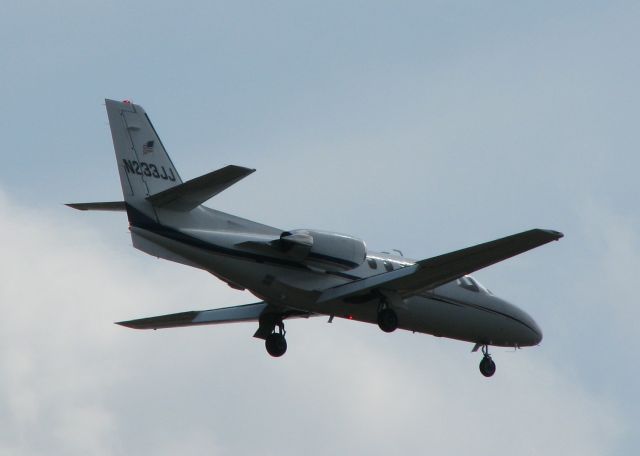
(436, 271)
(106, 206)
(247, 312)
(191, 194)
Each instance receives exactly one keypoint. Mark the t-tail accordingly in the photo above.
(151, 185)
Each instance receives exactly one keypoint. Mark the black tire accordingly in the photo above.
(487, 367)
(276, 344)
(387, 320)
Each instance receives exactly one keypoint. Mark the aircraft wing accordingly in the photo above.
(235, 314)
(432, 272)
(103, 206)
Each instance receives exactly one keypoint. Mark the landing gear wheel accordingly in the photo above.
(276, 344)
(487, 366)
(387, 320)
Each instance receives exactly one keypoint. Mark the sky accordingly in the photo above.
(421, 126)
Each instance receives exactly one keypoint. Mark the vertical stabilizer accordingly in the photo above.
(143, 163)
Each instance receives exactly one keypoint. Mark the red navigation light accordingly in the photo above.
(350, 317)
(126, 101)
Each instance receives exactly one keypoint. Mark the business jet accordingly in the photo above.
(301, 273)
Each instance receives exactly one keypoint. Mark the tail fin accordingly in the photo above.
(143, 163)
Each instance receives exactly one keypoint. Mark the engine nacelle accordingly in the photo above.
(324, 250)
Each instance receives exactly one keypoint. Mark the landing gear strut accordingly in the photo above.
(387, 318)
(487, 366)
(275, 342)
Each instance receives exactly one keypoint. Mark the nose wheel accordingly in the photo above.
(487, 366)
(275, 342)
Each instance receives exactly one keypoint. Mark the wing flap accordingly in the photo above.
(191, 194)
(432, 272)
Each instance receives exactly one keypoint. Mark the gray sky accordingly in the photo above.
(423, 126)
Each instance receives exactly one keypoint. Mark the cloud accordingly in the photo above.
(614, 243)
(74, 383)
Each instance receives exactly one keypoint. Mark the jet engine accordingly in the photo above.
(324, 250)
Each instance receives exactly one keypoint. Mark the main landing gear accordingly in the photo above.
(487, 366)
(275, 342)
(387, 318)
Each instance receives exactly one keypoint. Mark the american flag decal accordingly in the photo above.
(147, 147)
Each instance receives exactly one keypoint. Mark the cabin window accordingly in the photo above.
(372, 263)
(388, 266)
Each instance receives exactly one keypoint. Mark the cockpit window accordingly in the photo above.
(468, 283)
(471, 284)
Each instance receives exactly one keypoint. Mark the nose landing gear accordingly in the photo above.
(487, 366)
(275, 342)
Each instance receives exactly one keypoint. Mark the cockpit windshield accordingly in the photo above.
(471, 284)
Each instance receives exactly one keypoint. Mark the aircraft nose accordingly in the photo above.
(537, 332)
(532, 334)
(527, 331)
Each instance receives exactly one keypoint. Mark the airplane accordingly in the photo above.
(301, 273)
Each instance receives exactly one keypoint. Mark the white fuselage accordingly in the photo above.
(462, 309)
